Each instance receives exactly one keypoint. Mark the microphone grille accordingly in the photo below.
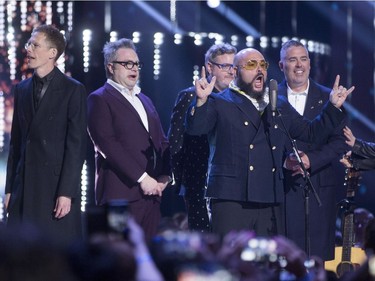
(273, 85)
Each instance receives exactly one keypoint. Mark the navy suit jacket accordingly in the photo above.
(241, 168)
(124, 148)
(323, 178)
(321, 156)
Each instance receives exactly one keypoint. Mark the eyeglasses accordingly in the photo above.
(253, 64)
(32, 45)
(223, 66)
(129, 64)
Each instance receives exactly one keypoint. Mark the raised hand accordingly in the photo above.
(202, 88)
(339, 93)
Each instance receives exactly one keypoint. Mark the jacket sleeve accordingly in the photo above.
(176, 134)
(363, 155)
(15, 146)
(331, 150)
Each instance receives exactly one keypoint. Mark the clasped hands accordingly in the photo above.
(292, 163)
(151, 186)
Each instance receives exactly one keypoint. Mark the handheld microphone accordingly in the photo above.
(273, 95)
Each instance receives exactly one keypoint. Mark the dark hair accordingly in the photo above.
(54, 37)
(110, 51)
(218, 50)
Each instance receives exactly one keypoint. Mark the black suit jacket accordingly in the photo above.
(47, 150)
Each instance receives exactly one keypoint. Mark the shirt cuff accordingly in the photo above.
(142, 177)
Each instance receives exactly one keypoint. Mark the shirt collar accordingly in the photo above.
(122, 89)
(46, 78)
(304, 93)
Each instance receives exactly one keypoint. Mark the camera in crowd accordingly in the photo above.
(111, 218)
(263, 251)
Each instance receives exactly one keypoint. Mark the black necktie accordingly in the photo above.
(40, 89)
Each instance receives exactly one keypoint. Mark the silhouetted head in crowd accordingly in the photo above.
(103, 258)
(26, 254)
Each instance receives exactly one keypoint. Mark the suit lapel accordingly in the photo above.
(27, 103)
(53, 96)
(314, 102)
(118, 96)
(246, 106)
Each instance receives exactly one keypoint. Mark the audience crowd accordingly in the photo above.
(175, 253)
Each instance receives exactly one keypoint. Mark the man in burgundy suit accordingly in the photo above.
(132, 151)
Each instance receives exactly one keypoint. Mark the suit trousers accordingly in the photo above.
(263, 218)
(147, 214)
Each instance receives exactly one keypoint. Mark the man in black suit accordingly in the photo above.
(48, 142)
(247, 142)
(308, 98)
(189, 154)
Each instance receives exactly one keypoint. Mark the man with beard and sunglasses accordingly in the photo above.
(245, 181)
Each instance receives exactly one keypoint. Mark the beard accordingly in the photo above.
(249, 89)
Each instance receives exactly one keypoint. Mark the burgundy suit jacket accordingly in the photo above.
(124, 148)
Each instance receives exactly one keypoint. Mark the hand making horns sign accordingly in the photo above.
(339, 93)
(202, 88)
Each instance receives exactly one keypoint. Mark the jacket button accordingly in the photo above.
(251, 168)
(251, 146)
(246, 123)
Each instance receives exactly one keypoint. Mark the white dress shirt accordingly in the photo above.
(131, 96)
(298, 100)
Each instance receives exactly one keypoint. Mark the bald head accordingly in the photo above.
(246, 54)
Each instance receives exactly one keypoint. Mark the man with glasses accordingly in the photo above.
(247, 141)
(308, 98)
(189, 154)
(132, 151)
(48, 143)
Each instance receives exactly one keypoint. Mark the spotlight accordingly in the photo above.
(213, 3)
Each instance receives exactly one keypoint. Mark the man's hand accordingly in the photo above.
(345, 160)
(350, 138)
(292, 164)
(202, 88)
(339, 93)
(150, 186)
(62, 207)
(163, 182)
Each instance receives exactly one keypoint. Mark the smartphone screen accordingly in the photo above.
(117, 212)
